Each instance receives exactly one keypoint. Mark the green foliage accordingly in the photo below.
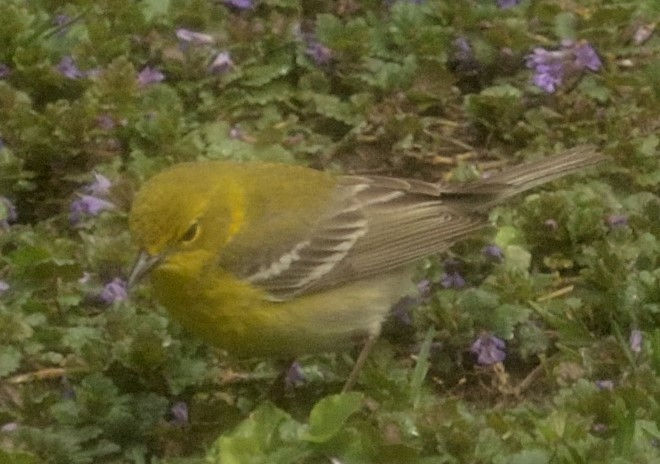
(432, 89)
(271, 435)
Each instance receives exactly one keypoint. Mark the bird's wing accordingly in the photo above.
(376, 224)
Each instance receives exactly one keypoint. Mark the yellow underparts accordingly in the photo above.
(235, 316)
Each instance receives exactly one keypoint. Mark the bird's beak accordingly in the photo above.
(143, 264)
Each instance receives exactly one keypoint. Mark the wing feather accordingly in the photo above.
(376, 224)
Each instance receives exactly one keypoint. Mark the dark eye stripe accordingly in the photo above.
(190, 234)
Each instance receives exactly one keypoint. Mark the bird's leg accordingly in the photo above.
(359, 363)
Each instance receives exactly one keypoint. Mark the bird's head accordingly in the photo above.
(182, 214)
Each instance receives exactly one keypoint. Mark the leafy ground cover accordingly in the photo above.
(536, 341)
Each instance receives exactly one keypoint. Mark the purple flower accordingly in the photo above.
(506, 4)
(463, 52)
(235, 133)
(616, 220)
(599, 427)
(105, 122)
(549, 78)
(586, 57)
(548, 67)
(294, 375)
(9, 427)
(551, 224)
(4, 286)
(452, 280)
(643, 33)
(452, 277)
(179, 412)
(62, 23)
(87, 205)
(7, 212)
(61, 19)
(551, 67)
(605, 385)
(318, 52)
(636, 339)
(240, 4)
(114, 291)
(100, 187)
(149, 75)
(493, 252)
(489, 349)
(401, 309)
(68, 390)
(463, 58)
(221, 63)
(197, 38)
(424, 288)
(67, 66)
(463, 48)
(5, 71)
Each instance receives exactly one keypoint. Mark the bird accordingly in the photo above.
(275, 260)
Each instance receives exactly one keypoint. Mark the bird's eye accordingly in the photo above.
(191, 233)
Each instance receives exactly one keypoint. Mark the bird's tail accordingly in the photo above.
(515, 180)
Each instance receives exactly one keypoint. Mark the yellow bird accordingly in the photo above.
(277, 260)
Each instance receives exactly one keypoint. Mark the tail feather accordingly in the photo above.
(517, 179)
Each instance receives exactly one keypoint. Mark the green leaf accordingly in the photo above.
(10, 360)
(77, 338)
(650, 428)
(330, 414)
(332, 107)
(257, 76)
(565, 24)
(421, 367)
(30, 256)
(517, 257)
(655, 351)
(623, 439)
(254, 439)
(506, 318)
(351, 37)
(508, 235)
(497, 108)
(17, 457)
(529, 456)
(590, 86)
(154, 8)
(478, 300)
(649, 145)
